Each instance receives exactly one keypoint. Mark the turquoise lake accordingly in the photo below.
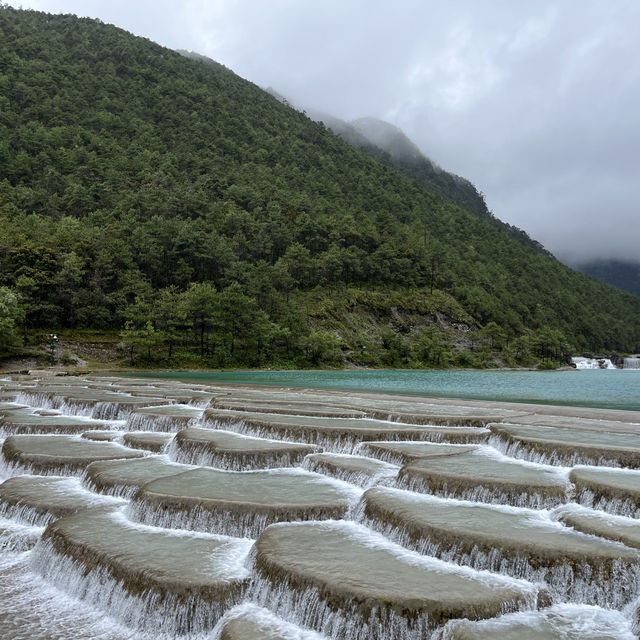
(610, 389)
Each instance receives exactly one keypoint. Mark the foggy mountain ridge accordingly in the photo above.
(391, 145)
(390, 138)
(407, 156)
(624, 274)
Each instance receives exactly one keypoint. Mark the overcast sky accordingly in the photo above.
(535, 101)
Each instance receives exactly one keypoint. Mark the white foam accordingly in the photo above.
(265, 619)
(568, 621)
(593, 363)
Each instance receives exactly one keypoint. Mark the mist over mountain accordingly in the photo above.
(619, 273)
(391, 145)
(406, 155)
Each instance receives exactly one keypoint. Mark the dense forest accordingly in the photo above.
(391, 146)
(168, 198)
(624, 274)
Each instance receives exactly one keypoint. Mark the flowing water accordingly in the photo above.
(178, 510)
(609, 389)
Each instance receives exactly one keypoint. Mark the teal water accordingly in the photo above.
(609, 389)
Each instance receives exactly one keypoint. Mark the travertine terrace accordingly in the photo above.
(150, 509)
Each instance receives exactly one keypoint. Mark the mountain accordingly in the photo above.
(390, 145)
(619, 273)
(144, 191)
(406, 156)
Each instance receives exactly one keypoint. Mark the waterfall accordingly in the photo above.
(632, 362)
(333, 597)
(241, 461)
(608, 584)
(307, 607)
(34, 608)
(16, 537)
(593, 363)
(150, 610)
(617, 506)
(299, 562)
(347, 440)
(530, 453)
(140, 421)
(566, 621)
(319, 463)
(533, 499)
(259, 623)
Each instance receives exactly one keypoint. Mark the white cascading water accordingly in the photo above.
(57, 592)
(609, 504)
(632, 362)
(612, 584)
(529, 453)
(365, 480)
(203, 457)
(168, 424)
(338, 443)
(150, 610)
(593, 363)
(488, 494)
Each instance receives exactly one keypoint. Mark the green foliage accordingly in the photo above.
(11, 315)
(432, 348)
(322, 348)
(225, 328)
(620, 273)
(66, 359)
(141, 189)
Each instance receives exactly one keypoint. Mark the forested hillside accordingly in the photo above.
(392, 146)
(147, 192)
(624, 274)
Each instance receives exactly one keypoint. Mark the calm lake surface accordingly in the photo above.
(610, 389)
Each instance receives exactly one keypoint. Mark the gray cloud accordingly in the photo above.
(537, 101)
